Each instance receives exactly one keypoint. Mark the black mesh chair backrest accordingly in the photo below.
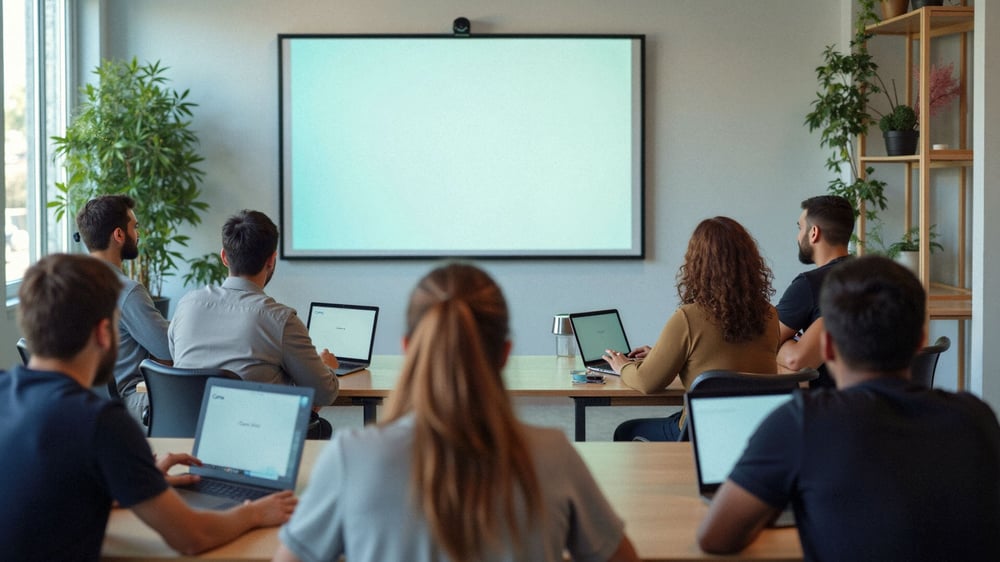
(22, 350)
(925, 362)
(735, 381)
(175, 397)
(104, 391)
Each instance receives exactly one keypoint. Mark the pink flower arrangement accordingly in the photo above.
(944, 87)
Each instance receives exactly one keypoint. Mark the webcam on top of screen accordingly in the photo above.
(461, 26)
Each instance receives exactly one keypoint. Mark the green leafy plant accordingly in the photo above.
(132, 135)
(910, 242)
(206, 270)
(840, 112)
(900, 117)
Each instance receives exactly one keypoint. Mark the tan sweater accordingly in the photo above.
(691, 344)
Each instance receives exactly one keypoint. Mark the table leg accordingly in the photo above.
(581, 403)
(368, 405)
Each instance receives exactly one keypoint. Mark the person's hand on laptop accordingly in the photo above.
(639, 352)
(329, 359)
(616, 359)
(274, 509)
(168, 461)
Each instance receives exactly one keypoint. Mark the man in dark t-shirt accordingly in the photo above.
(70, 453)
(825, 228)
(879, 468)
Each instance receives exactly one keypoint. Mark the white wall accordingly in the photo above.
(728, 86)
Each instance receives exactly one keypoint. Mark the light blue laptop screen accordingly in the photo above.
(598, 333)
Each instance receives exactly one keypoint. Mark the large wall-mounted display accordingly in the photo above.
(442, 146)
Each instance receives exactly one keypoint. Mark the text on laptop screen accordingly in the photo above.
(346, 332)
(723, 426)
(598, 333)
(249, 432)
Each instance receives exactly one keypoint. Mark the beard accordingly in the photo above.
(130, 250)
(806, 253)
(106, 368)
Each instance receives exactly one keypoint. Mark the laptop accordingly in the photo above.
(347, 330)
(235, 413)
(597, 332)
(720, 425)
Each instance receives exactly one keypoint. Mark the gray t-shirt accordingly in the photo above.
(142, 333)
(237, 327)
(358, 503)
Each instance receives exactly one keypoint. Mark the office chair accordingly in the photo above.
(175, 397)
(925, 362)
(22, 350)
(104, 391)
(735, 380)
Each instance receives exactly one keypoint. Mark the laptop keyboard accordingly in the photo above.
(226, 490)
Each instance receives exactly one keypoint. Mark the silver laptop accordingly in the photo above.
(234, 414)
(596, 332)
(720, 424)
(347, 330)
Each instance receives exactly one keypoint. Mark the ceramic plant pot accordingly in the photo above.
(900, 143)
(893, 8)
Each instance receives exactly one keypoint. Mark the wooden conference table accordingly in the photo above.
(524, 375)
(651, 486)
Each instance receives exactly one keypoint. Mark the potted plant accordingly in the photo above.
(132, 135)
(899, 125)
(840, 111)
(907, 249)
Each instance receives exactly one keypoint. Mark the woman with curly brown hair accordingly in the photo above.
(726, 321)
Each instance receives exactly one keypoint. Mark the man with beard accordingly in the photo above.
(71, 453)
(108, 227)
(825, 228)
(236, 326)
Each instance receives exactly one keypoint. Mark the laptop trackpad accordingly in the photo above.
(205, 501)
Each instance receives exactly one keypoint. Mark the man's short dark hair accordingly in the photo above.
(834, 215)
(874, 310)
(63, 297)
(249, 239)
(100, 217)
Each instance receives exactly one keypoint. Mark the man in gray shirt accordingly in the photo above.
(238, 327)
(108, 227)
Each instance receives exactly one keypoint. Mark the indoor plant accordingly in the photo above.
(898, 125)
(906, 250)
(840, 111)
(132, 135)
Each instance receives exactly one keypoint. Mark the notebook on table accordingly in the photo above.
(596, 332)
(347, 330)
(720, 424)
(235, 413)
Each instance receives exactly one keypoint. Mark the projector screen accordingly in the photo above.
(442, 146)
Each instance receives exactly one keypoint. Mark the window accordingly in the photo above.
(35, 102)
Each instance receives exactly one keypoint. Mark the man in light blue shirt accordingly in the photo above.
(236, 326)
(108, 227)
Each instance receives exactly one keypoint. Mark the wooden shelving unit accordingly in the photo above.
(918, 28)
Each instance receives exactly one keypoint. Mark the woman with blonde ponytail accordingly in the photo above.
(450, 473)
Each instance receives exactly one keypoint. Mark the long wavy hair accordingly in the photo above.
(471, 460)
(724, 273)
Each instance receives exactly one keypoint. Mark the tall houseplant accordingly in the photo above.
(840, 111)
(132, 135)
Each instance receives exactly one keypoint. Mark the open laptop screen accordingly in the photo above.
(252, 432)
(346, 330)
(597, 332)
(721, 426)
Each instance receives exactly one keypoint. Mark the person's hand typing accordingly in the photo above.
(166, 462)
(329, 359)
(274, 509)
(639, 352)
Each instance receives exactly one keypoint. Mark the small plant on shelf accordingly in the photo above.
(910, 242)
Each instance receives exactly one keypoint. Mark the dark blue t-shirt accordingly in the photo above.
(882, 470)
(67, 454)
(799, 307)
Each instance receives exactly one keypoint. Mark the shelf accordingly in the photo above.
(944, 20)
(949, 309)
(938, 159)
